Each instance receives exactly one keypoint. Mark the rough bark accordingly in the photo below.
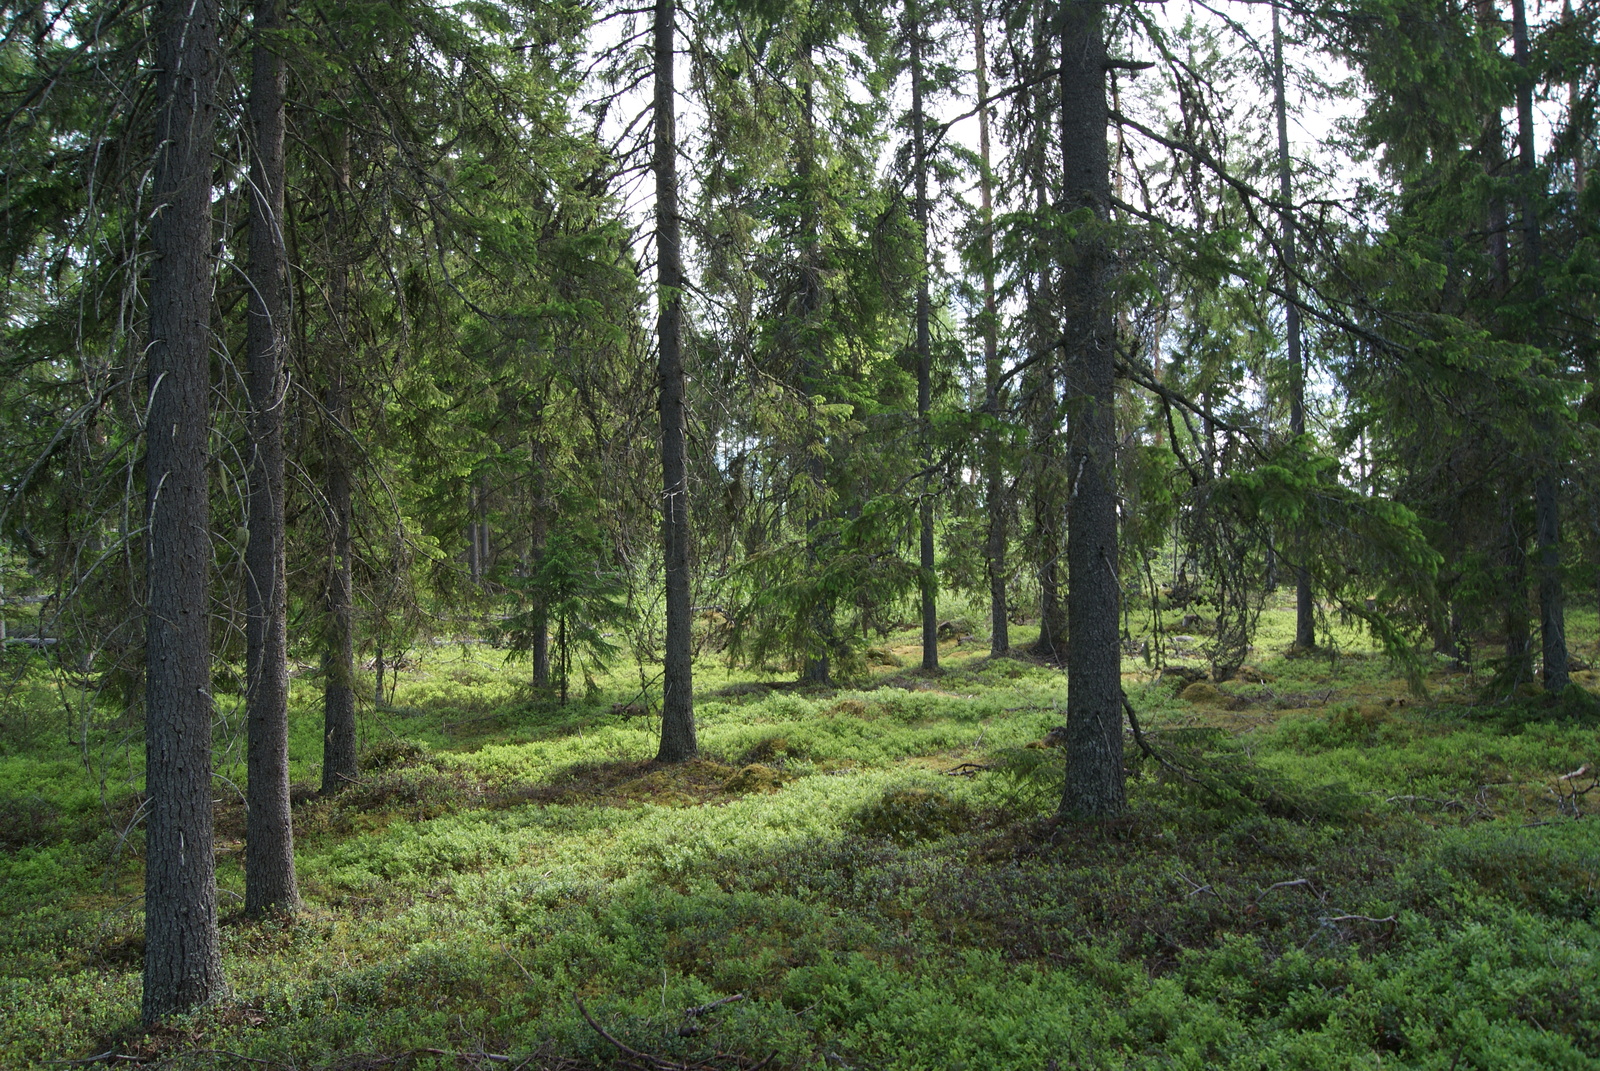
(919, 149)
(678, 742)
(182, 965)
(995, 497)
(269, 874)
(1095, 781)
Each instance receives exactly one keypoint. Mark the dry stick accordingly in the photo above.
(715, 1004)
(1282, 885)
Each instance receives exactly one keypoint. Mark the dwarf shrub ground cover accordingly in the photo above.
(1359, 878)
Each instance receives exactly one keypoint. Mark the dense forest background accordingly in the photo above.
(637, 343)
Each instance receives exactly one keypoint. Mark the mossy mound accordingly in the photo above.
(754, 778)
(1203, 692)
(908, 815)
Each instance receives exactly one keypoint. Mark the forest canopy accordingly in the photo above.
(746, 334)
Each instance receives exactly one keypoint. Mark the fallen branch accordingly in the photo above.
(1282, 885)
(968, 769)
(689, 1030)
(624, 1049)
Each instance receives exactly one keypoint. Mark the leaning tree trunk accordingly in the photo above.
(182, 963)
(1095, 783)
(995, 498)
(269, 876)
(678, 742)
(926, 575)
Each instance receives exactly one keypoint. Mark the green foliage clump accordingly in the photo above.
(909, 815)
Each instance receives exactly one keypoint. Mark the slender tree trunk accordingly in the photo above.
(678, 742)
(1493, 164)
(269, 873)
(1305, 626)
(182, 964)
(1546, 482)
(995, 498)
(919, 148)
(540, 523)
(1095, 782)
(1045, 462)
(339, 762)
(816, 666)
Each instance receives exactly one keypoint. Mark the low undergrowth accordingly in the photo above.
(1321, 871)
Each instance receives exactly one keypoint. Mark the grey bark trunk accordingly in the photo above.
(182, 964)
(678, 743)
(269, 875)
(1095, 785)
(927, 576)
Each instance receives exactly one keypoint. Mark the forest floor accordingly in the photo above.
(1326, 871)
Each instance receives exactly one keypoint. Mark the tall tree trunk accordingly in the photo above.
(339, 762)
(1045, 462)
(1546, 482)
(269, 875)
(182, 963)
(919, 149)
(678, 742)
(1305, 626)
(1095, 782)
(995, 498)
(816, 665)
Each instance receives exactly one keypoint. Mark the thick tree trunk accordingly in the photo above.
(1095, 781)
(1305, 626)
(340, 765)
(927, 576)
(182, 964)
(678, 742)
(995, 498)
(269, 875)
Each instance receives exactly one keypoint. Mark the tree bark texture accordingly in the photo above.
(182, 965)
(928, 578)
(678, 742)
(1095, 782)
(995, 497)
(270, 883)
